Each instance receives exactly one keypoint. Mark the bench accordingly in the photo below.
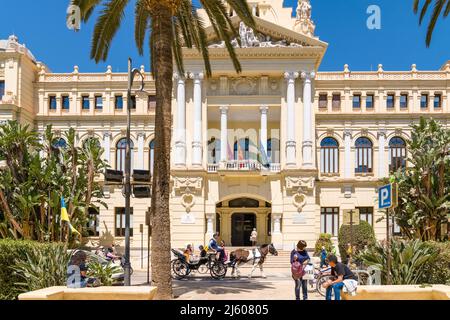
(99, 293)
(400, 292)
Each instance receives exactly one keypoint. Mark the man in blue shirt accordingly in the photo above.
(213, 244)
(302, 257)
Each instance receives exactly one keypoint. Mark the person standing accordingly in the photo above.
(254, 237)
(342, 276)
(301, 256)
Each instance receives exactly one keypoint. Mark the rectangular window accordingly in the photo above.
(85, 104)
(133, 102)
(437, 101)
(52, 102)
(98, 102)
(366, 214)
(329, 220)
(151, 102)
(404, 101)
(390, 101)
(93, 225)
(336, 102)
(323, 101)
(370, 101)
(118, 103)
(120, 222)
(2, 89)
(356, 101)
(329, 159)
(65, 102)
(424, 101)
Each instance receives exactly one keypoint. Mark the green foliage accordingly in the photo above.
(363, 236)
(424, 187)
(103, 272)
(438, 270)
(323, 241)
(409, 260)
(28, 265)
(38, 174)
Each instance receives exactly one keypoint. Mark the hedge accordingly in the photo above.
(363, 235)
(323, 241)
(13, 252)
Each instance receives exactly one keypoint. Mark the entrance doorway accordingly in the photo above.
(242, 225)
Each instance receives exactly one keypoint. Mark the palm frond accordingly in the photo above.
(141, 24)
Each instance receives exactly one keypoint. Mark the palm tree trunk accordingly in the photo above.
(162, 51)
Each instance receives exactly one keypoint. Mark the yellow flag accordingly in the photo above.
(65, 217)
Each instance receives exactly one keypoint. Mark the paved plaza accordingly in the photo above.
(278, 285)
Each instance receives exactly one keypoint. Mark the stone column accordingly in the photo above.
(290, 136)
(197, 148)
(210, 217)
(223, 134)
(348, 154)
(263, 133)
(307, 146)
(277, 236)
(180, 130)
(140, 155)
(107, 147)
(381, 151)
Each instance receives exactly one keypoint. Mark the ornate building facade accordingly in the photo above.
(280, 147)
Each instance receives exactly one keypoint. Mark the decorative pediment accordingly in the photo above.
(265, 35)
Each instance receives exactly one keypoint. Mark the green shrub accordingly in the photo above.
(363, 236)
(12, 253)
(103, 273)
(408, 260)
(438, 270)
(323, 241)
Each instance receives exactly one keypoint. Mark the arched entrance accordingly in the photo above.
(242, 225)
(236, 218)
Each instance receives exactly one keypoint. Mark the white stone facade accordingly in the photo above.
(301, 183)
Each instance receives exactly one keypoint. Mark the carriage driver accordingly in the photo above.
(213, 244)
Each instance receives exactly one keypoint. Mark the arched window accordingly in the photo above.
(151, 157)
(59, 143)
(397, 154)
(242, 149)
(213, 151)
(273, 150)
(364, 155)
(329, 156)
(121, 150)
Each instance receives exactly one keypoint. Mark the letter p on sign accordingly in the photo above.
(385, 197)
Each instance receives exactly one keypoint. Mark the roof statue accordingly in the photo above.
(304, 24)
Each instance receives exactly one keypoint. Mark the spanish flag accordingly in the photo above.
(65, 217)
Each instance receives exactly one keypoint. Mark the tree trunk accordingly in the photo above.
(16, 226)
(162, 51)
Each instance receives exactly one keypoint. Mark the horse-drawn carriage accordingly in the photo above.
(181, 268)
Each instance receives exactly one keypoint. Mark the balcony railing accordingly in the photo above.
(244, 165)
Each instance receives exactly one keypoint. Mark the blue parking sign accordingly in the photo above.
(385, 197)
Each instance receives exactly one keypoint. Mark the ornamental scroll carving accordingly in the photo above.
(192, 183)
(300, 183)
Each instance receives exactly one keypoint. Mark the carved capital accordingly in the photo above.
(289, 75)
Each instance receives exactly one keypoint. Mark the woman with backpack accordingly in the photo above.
(299, 259)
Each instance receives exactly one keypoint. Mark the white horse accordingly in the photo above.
(257, 256)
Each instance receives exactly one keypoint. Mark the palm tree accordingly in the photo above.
(441, 7)
(170, 25)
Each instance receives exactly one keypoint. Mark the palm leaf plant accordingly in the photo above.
(170, 26)
(439, 8)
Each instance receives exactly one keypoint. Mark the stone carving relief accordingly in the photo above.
(249, 38)
(299, 201)
(244, 86)
(300, 183)
(188, 200)
(188, 183)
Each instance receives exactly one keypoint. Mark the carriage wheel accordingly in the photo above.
(218, 270)
(203, 269)
(180, 269)
(321, 281)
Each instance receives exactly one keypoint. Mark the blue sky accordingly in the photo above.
(341, 23)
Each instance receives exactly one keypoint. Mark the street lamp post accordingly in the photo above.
(127, 265)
